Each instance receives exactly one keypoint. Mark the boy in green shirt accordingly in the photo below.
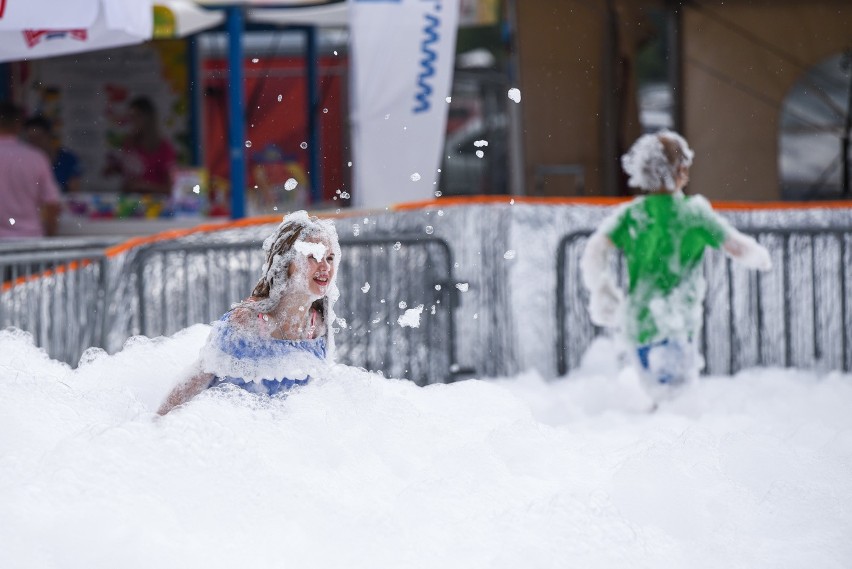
(662, 236)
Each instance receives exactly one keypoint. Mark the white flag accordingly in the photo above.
(402, 58)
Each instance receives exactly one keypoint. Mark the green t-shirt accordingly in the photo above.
(663, 237)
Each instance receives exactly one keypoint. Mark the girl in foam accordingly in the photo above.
(281, 335)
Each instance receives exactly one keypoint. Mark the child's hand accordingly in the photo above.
(762, 260)
(747, 251)
(604, 304)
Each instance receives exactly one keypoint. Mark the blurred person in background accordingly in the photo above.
(29, 195)
(663, 236)
(38, 131)
(148, 160)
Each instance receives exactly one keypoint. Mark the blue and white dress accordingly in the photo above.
(262, 365)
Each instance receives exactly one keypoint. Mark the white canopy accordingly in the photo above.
(16, 15)
(31, 29)
(334, 15)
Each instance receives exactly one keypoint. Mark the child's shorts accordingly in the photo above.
(668, 362)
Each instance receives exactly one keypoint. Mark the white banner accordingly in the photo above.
(402, 58)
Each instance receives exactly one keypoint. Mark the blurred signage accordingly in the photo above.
(403, 53)
(34, 37)
(165, 23)
(479, 12)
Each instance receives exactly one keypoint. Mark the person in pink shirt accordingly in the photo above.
(148, 159)
(29, 195)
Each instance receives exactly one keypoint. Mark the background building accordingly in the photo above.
(761, 89)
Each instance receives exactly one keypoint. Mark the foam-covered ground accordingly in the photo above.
(355, 470)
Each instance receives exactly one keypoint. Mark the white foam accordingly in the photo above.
(355, 470)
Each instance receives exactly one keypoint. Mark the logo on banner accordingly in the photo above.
(35, 37)
(428, 56)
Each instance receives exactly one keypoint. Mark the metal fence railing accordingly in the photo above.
(181, 284)
(381, 279)
(54, 290)
(797, 314)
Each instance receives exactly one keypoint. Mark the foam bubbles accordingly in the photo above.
(362, 471)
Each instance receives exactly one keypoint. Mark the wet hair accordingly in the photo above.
(40, 122)
(287, 235)
(280, 249)
(654, 159)
(143, 105)
(10, 116)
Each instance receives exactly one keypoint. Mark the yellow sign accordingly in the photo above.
(479, 13)
(165, 25)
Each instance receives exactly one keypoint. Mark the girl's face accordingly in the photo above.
(313, 267)
(682, 177)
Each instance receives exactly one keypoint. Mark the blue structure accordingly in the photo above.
(312, 76)
(236, 111)
(235, 26)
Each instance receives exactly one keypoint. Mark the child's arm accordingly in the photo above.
(186, 391)
(741, 247)
(746, 250)
(604, 297)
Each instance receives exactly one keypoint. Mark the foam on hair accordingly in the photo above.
(281, 250)
(653, 160)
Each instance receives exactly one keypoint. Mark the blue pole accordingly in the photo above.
(194, 101)
(5, 82)
(236, 111)
(312, 77)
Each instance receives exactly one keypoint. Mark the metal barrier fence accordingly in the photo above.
(180, 284)
(54, 290)
(71, 297)
(382, 278)
(797, 314)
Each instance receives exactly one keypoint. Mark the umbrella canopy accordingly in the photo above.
(31, 29)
